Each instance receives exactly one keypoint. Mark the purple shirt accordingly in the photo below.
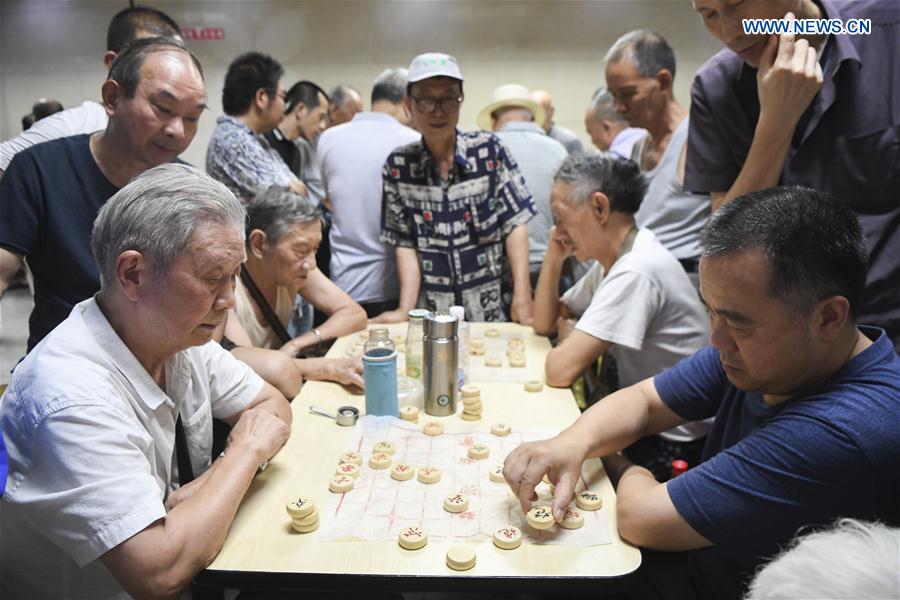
(847, 142)
(624, 142)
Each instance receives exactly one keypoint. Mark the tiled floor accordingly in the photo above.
(15, 306)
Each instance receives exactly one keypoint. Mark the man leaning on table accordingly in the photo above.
(51, 193)
(815, 110)
(635, 304)
(807, 402)
(94, 414)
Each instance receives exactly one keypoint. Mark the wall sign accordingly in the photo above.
(203, 33)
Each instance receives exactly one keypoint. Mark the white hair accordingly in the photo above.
(854, 559)
(390, 85)
(156, 214)
(603, 107)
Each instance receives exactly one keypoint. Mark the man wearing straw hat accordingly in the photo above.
(513, 116)
(454, 206)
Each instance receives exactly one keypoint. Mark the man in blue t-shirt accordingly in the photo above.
(806, 402)
(51, 193)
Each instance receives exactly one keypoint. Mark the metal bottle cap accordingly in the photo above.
(440, 326)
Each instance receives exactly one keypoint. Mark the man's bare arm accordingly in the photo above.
(275, 367)
(607, 427)
(269, 399)
(10, 263)
(345, 315)
(522, 309)
(546, 297)
(410, 280)
(644, 510)
(788, 79)
(567, 361)
(160, 560)
(346, 371)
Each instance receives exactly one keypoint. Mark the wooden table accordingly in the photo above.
(261, 550)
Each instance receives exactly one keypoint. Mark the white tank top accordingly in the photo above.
(674, 215)
(261, 334)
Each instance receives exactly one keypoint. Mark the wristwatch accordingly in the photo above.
(318, 335)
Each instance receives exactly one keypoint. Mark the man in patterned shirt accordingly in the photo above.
(238, 155)
(455, 206)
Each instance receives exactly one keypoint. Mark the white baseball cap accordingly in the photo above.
(433, 64)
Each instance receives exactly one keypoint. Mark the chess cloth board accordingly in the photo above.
(378, 507)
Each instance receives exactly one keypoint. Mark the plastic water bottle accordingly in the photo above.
(414, 349)
(463, 334)
(380, 374)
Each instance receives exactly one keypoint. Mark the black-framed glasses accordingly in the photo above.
(428, 105)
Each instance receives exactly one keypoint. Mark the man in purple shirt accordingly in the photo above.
(609, 131)
(817, 111)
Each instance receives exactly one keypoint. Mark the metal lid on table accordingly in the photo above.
(440, 326)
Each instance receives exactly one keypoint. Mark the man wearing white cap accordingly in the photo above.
(455, 206)
(514, 117)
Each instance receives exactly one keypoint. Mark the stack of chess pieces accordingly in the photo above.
(471, 399)
(304, 515)
(515, 351)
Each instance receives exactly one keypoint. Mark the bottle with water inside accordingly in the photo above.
(380, 374)
(463, 335)
(414, 349)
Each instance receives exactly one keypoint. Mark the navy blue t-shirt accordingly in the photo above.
(49, 197)
(770, 471)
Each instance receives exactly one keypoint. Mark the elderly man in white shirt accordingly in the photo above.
(95, 412)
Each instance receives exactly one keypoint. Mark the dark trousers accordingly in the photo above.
(656, 454)
(323, 260)
(662, 576)
(373, 309)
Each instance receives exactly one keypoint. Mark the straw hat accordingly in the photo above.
(511, 94)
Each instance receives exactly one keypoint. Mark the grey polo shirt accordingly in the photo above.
(538, 156)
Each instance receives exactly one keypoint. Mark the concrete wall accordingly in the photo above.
(54, 48)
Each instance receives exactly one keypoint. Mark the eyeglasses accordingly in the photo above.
(448, 106)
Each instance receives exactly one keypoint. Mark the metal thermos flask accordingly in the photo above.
(440, 364)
